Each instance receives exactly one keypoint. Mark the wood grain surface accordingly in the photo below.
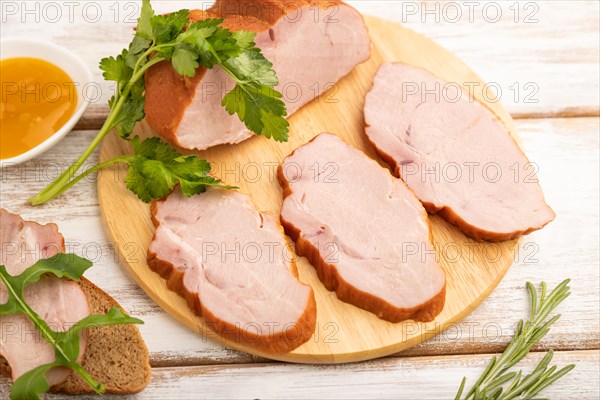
(541, 55)
(397, 379)
(559, 52)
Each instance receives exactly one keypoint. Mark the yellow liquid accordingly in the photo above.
(37, 99)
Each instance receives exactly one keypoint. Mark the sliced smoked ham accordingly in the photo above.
(454, 153)
(234, 267)
(362, 229)
(312, 45)
(60, 302)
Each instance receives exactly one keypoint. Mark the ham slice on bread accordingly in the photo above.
(60, 302)
(114, 355)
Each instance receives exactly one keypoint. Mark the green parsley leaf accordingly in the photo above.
(157, 167)
(165, 28)
(260, 108)
(187, 46)
(207, 39)
(244, 39)
(184, 62)
(137, 48)
(251, 66)
(131, 112)
(197, 32)
(254, 98)
(144, 28)
(115, 68)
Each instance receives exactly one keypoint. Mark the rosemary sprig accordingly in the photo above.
(491, 384)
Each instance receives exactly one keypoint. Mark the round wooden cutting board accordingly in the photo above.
(344, 333)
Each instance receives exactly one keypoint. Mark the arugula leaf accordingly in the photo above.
(32, 384)
(156, 168)
(61, 265)
(69, 340)
(114, 315)
(66, 344)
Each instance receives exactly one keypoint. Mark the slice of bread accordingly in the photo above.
(115, 355)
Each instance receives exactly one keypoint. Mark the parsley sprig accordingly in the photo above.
(66, 344)
(156, 167)
(496, 382)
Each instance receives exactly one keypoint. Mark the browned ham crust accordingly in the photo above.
(333, 40)
(423, 129)
(296, 328)
(318, 229)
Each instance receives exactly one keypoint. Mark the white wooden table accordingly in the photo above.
(544, 56)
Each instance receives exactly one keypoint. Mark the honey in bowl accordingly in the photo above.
(38, 98)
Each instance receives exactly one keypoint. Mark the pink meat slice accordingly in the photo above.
(60, 302)
(454, 153)
(235, 265)
(311, 49)
(364, 230)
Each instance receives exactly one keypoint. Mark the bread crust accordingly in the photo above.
(74, 384)
(333, 281)
(168, 94)
(99, 302)
(281, 342)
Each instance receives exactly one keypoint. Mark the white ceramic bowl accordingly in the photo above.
(65, 60)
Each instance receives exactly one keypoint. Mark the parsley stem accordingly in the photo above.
(90, 171)
(63, 181)
(140, 74)
(55, 188)
(187, 45)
